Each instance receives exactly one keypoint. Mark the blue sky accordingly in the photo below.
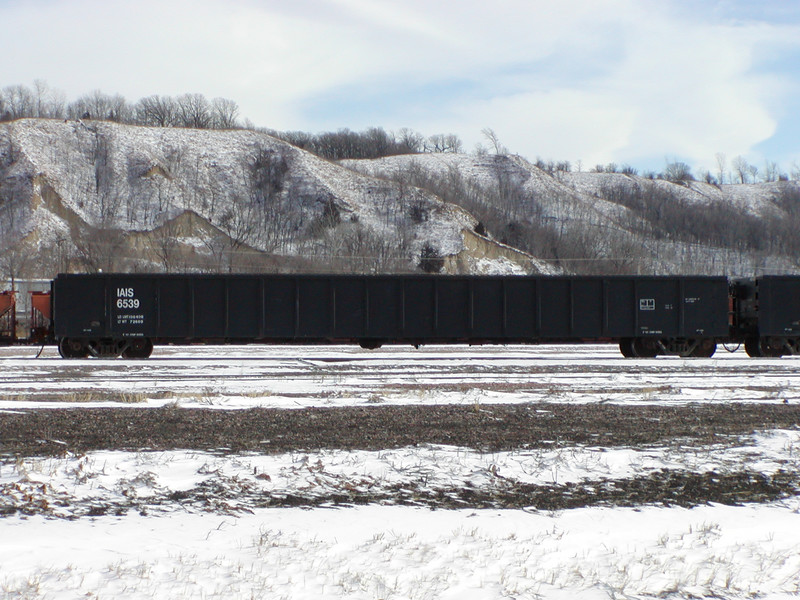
(629, 81)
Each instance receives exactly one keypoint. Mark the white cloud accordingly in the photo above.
(671, 87)
(614, 80)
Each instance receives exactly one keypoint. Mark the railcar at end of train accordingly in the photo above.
(111, 315)
(766, 315)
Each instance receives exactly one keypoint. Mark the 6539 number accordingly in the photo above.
(127, 303)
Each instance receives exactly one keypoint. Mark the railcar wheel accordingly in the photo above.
(753, 347)
(370, 344)
(644, 348)
(73, 348)
(138, 348)
(757, 347)
(772, 347)
(704, 349)
(626, 347)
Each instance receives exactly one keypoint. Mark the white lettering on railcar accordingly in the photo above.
(130, 319)
(126, 298)
(647, 303)
(127, 301)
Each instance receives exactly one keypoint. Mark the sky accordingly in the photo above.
(635, 82)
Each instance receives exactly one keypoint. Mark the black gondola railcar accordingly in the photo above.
(109, 315)
(768, 315)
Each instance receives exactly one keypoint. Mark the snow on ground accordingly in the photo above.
(395, 552)
(301, 377)
(372, 552)
(113, 478)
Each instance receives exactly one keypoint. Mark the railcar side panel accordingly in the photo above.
(704, 307)
(657, 308)
(587, 307)
(132, 305)
(521, 314)
(79, 307)
(314, 308)
(349, 303)
(553, 302)
(8, 321)
(487, 307)
(209, 308)
(173, 310)
(402, 309)
(419, 310)
(454, 310)
(245, 308)
(280, 307)
(619, 307)
(778, 306)
(384, 307)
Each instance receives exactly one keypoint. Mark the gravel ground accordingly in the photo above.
(489, 428)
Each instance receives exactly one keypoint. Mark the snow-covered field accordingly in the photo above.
(390, 552)
(302, 377)
(174, 546)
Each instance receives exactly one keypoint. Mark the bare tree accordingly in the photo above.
(193, 110)
(100, 106)
(265, 173)
(48, 103)
(160, 111)
(19, 102)
(771, 171)
(494, 141)
(741, 167)
(15, 257)
(678, 172)
(105, 181)
(430, 259)
(165, 244)
(410, 141)
(443, 143)
(705, 175)
(721, 166)
(224, 113)
(753, 170)
(238, 225)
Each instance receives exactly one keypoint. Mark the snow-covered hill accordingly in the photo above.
(613, 221)
(101, 195)
(116, 196)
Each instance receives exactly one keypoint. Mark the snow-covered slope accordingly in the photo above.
(91, 195)
(182, 195)
(616, 220)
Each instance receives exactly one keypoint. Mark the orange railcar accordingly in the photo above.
(8, 317)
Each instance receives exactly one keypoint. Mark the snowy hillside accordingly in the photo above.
(87, 194)
(613, 222)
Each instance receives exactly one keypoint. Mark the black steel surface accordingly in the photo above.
(778, 305)
(390, 308)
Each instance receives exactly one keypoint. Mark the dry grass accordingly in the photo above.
(79, 397)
